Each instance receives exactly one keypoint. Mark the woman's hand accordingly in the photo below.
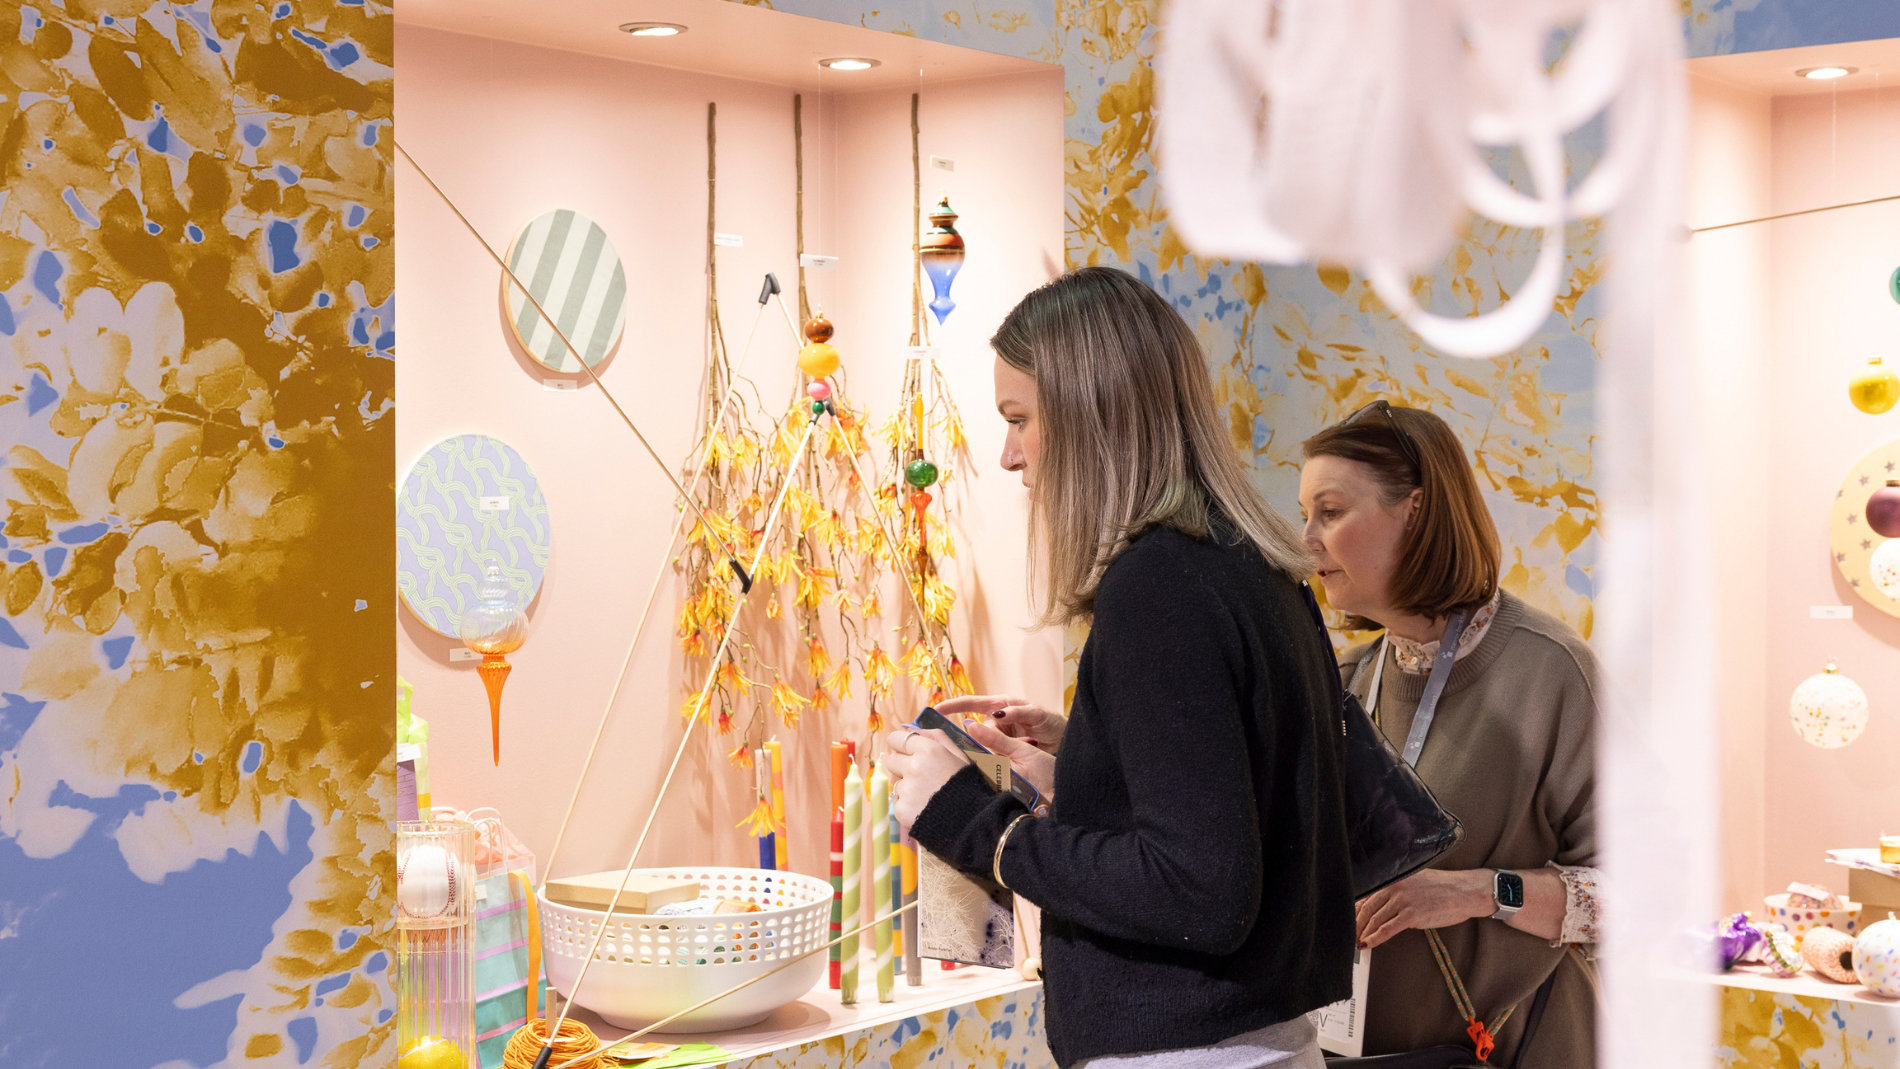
(1429, 898)
(922, 762)
(1036, 766)
(1014, 717)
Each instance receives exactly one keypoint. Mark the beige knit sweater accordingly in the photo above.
(1512, 753)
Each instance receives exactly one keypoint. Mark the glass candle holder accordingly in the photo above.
(435, 945)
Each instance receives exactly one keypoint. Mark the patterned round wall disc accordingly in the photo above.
(468, 501)
(570, 266)
(1853, 546)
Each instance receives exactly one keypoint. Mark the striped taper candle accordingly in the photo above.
(897, 884)
(837, 889)
(881, 877)
(853, 877)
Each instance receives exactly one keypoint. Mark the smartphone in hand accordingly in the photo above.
(932, 720)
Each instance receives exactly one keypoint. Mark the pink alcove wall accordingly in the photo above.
(1726, 280)
(510, 132)
(1788, 311)
(1829, 312)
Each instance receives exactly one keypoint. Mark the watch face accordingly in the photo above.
(1510, 890)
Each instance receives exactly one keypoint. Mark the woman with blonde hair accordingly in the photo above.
(1192, 871)
(1494, 703)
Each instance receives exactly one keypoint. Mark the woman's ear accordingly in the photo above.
(1414, 501)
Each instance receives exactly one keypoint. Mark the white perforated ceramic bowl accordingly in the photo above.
(649, 967)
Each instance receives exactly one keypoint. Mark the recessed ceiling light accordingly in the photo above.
(1822, 74)
(653, 29)
(848, 63)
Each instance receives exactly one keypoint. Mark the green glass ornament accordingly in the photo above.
(920, 473)
(817, 408)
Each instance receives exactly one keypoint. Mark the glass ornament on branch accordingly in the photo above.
(927, 446)
(823, 565)
(942, 255)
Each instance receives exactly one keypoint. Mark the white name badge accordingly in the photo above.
(1342, 1025)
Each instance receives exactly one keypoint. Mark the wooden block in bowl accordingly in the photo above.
(644, 894)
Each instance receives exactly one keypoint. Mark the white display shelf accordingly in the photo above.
(1807, 984)
(818, 1015)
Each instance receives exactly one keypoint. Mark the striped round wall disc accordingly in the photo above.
(575, 274)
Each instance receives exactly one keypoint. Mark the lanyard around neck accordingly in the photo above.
(1434, 687)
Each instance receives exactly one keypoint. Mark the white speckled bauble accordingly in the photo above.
(1884, 567)
(428, 879)
(1877, 957)
(1828, 709)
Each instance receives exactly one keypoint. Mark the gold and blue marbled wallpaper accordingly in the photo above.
(1724, 27)
(198, 646)
(1781, 1030)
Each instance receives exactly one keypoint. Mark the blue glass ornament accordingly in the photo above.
(942, 254)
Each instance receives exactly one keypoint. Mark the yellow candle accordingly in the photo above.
(782, 845)
(913, 959)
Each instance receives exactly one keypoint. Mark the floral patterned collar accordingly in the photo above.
(1415, 658)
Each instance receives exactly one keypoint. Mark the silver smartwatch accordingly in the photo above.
(1507, 890)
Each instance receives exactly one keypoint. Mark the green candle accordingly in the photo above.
(853, 875)
(881, 877)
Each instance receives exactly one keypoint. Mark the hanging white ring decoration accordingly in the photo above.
(1369, 149)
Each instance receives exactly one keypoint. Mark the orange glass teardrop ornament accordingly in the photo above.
(494, 670)
(494, 627)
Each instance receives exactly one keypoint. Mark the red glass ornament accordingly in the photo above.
(1883, 510)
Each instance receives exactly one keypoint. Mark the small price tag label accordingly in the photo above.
(1830, 612)
(463, 653)
(729, 240)
(943, 163)
(498, 503)
(559, 385)
(921, 352)
(812, 259)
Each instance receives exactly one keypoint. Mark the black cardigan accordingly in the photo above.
(1193, 874)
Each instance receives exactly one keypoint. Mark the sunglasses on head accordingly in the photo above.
(1384, 408)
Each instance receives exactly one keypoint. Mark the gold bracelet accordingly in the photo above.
(996, 860)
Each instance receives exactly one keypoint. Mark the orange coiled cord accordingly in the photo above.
(575, 1046)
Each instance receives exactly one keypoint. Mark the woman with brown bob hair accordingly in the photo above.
(1192, 869)
(1493, 703)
